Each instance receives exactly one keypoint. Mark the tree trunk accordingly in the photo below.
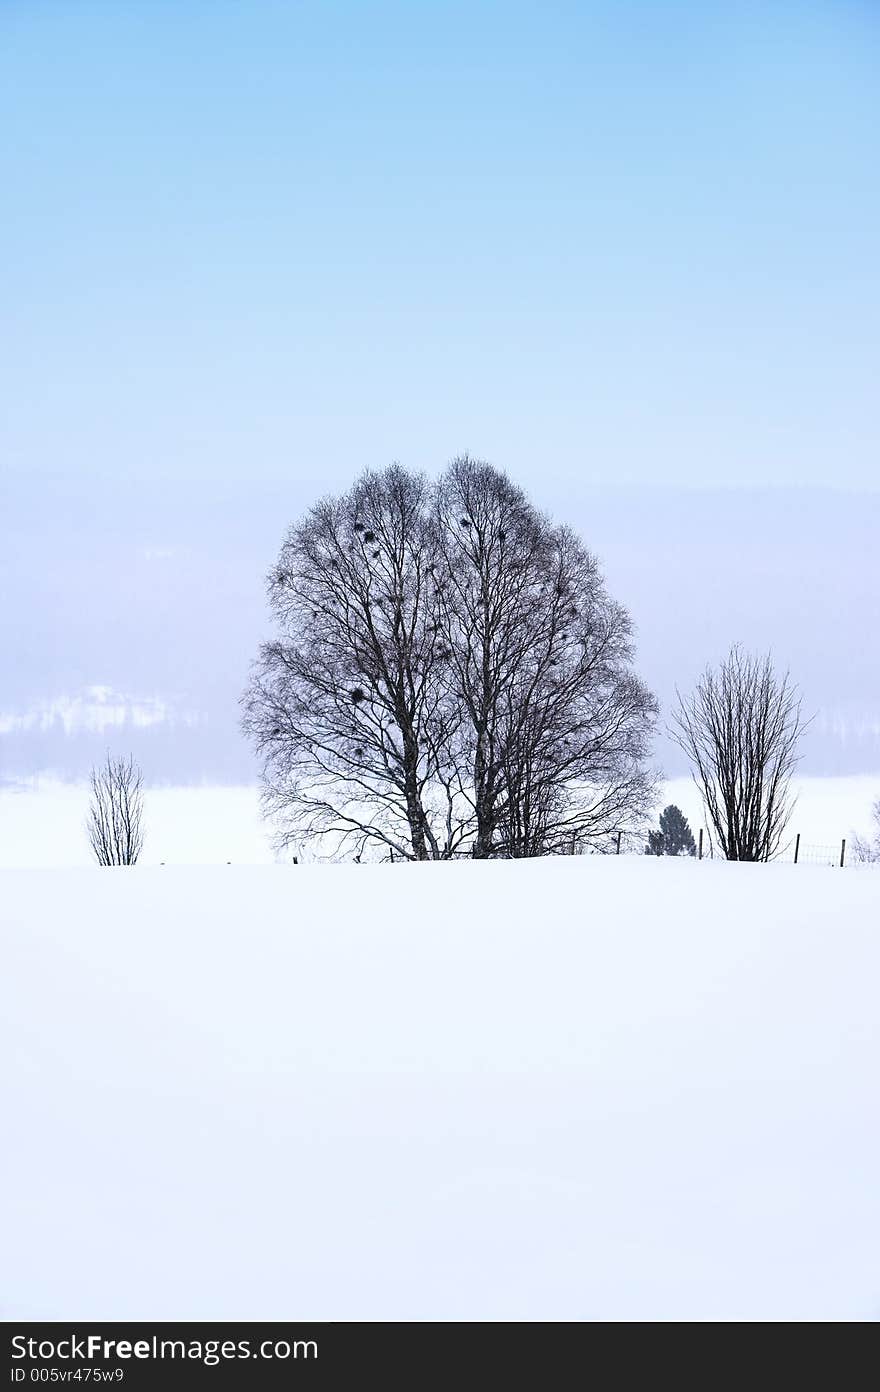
(414, 811)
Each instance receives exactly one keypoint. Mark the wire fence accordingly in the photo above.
(807, 853)
(795, 852)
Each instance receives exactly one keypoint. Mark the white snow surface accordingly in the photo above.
(42, 820)
(593, 1088)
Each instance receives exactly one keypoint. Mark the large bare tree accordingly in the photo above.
(347, 707)
(115, 819)
(578, 722)
(492, 553)
(541, 660)
(449, 677)
(740, 729)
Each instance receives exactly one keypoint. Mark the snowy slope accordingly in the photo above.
(585, 1088)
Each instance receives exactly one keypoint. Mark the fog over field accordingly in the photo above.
(630, 261)
(134, 611)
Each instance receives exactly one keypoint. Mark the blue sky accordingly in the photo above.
(629, 241)
(626, 251)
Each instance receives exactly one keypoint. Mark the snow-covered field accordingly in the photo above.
(598, 1087)
(42, 825)
(42, 820)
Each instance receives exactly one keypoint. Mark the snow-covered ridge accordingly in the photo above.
(94, 710)
(850, 723)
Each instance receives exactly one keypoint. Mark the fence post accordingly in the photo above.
(617, 852)
(842, 851)
(700, 852)
(797, 846)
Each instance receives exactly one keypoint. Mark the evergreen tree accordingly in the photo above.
(678, 839)
(674, 837)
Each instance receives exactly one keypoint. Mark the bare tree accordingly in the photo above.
(741, 729)
(490, 548)
(449, 677)
(347, 707)
(576, 733)
(540, 657)
(868, 851)
(115, 820)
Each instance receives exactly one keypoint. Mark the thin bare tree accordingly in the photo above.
(740, 729)
(865, 850)
(115, 819)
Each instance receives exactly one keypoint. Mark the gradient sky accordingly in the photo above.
(634, 240)
(616, 248)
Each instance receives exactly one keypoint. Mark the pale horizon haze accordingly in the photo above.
(627, 252)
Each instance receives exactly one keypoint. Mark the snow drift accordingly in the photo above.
(577, 1089)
